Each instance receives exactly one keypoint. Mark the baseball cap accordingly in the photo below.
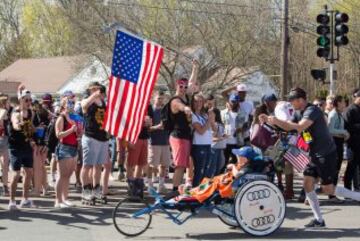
(247, 152)
(356, 93)
(94, 85)
(234, 98)
(241, 88)
(68, 93)
(296, 93)
(268, 98)
(24, 93)
(182, 81)
(47, 98)
(3, 96)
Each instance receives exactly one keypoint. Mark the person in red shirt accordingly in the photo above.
(66, 151)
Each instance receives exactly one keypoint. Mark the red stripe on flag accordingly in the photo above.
(121, 107)
(107, 106)
(126, 117)
(153, 77)
(147, 68)
(133, 116)
(112, 102)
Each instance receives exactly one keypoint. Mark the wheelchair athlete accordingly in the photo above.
(248, 161)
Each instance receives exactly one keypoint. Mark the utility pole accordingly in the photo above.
(284, 62)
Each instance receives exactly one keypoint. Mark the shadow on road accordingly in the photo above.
(284, 233)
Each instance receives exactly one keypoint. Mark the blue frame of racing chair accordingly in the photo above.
(161, 204)
(195, 207)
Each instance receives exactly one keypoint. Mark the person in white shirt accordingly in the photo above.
(234, 119)
(248, 107)
(285, 111)
(202, 124)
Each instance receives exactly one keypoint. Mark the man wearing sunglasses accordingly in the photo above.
(180, 136)
(310, 120)
(94, 142)
(21, 148)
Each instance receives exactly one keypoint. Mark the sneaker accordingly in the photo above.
(68, 203)
(162, 189)
(155, 179)
(12, 205)
(26, 204)
(315, 224)
(121, 175)
(60, 205)
(335, 199)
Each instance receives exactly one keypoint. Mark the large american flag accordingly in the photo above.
(297, 158)
(135, 66)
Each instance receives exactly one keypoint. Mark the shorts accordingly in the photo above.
(63, 151)
(138, 154)
(180, 151)
(323, 167)
(21, 158)
(159, 155)
(94, 152)
(4, 144)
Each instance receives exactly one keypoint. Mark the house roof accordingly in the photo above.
(41, 75)
(9, 87)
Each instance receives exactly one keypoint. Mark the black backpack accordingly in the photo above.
(166, 117)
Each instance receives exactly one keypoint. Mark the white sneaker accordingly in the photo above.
(12, 205)
(26, 203)
(60, 205)
(155, 179)
(161, 188)
(68, 203)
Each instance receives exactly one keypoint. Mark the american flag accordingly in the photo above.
(297, 158)
(135, 66)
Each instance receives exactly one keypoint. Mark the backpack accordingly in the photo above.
(166, 117)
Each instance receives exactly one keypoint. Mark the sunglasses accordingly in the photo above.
(183, 86)
(27, 100)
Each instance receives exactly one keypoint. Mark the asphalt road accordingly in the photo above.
(80, 223)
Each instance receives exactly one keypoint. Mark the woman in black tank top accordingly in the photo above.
(20, 143)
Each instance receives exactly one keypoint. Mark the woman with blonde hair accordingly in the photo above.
(66, 151)
(4, 142)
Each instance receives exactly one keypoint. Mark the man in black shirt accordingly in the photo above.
(352, 124)
(94, 142)
(311, 123)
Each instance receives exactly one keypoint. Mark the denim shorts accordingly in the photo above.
(63, 151)
(19, 158)
(94, 152)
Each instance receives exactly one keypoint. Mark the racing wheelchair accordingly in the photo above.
(257, 207)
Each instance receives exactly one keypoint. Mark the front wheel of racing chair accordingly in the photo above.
(259, 207)
(129, 217)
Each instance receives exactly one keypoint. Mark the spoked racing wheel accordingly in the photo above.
(259, 207)
(129, 217)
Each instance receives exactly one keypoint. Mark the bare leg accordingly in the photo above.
(13, 184)
(27, 179)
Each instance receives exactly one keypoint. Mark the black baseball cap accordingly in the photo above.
(296, 93)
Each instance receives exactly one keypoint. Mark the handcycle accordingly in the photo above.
(258, 207)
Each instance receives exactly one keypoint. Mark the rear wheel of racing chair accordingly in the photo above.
(230, 221)
(259, 207)
(128, 218)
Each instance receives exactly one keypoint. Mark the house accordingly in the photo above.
(53, 75)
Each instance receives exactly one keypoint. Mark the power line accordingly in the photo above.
(176, 9)
(231, 5)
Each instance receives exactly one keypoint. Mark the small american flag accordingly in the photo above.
(135, 66)
(297, 158)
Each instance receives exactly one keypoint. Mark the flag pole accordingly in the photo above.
(118, 25)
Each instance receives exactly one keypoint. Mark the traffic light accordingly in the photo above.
(319, 74)
(341, 29)
(324, 39)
